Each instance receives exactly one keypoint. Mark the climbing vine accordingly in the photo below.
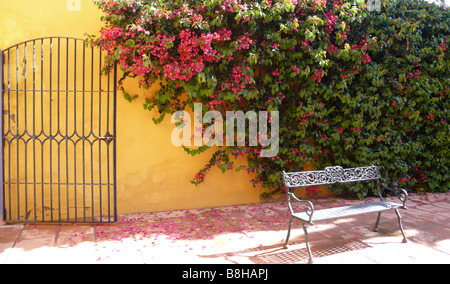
(352, 87)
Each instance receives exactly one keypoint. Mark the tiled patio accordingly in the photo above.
(250, 234)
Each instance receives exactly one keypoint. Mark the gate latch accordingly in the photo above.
(108, 138)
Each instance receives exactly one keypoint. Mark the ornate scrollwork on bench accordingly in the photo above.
(331, 175)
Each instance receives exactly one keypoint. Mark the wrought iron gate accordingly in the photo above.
(59, 126)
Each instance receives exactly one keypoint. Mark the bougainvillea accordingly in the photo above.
(352, 87)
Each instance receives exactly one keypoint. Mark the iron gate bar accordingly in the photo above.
(2, 193)
(60, 138)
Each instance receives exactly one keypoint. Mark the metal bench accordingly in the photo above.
(333, 175)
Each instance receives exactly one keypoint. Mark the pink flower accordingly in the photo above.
(295, 68)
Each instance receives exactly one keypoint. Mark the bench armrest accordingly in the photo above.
(309, 210)
(402, 194)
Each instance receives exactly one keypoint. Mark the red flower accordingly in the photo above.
(365, 58)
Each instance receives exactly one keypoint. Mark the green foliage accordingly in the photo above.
(353, 87)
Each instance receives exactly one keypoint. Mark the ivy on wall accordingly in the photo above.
(352, 87)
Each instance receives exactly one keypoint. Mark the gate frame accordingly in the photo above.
(2, 188)
(3, 214)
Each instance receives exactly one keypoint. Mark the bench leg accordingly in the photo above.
(307, 243)
(375, 229)
(286, 245)
(401, 226)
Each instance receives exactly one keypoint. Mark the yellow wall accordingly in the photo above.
(152, 174)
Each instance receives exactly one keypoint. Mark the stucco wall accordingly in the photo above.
(152, 174)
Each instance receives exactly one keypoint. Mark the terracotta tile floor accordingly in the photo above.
(247, 234)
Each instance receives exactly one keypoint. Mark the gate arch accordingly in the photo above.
(58, 133)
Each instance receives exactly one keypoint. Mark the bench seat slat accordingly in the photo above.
(346, 211)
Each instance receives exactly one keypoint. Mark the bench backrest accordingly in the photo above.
(330, 175)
